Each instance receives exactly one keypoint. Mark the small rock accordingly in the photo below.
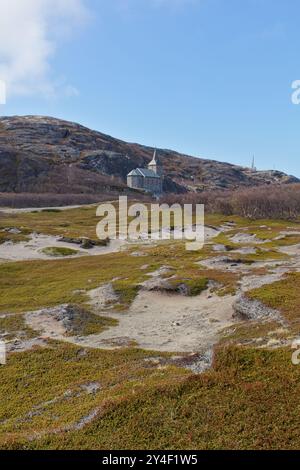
(219, 248)
(13, 231)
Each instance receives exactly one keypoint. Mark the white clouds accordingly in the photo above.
(30, 32)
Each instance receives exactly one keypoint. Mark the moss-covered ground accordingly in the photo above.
(249, 399)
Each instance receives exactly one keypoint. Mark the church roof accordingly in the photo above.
(134, 173)
(145, 172)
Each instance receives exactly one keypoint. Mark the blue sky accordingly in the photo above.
(210, 78)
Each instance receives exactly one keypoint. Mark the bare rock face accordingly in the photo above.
(43, 154)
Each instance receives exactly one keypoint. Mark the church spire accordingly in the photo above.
(154, 159)
(154, 164)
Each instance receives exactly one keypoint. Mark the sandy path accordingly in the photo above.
(171, 322)
(155, 321)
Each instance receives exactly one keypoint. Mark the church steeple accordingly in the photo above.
(154, 165)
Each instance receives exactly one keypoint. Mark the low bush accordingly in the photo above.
(271, 201)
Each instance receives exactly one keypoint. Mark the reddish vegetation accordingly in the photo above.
(276, 202)
(43, 154)
(23, 200)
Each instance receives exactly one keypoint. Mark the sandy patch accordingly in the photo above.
(155, 321)
(247, 238)
(47, 322)
(254, 282)
(225, 263)
(103, 297)
(178, 234)
(219, 248)
(32, 249)
(291, 250)
(172, 322)
(246, 250)
(7, 210)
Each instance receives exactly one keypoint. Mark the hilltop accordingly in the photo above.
(43, 154)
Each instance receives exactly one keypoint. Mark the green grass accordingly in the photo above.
(31, 285)
(260, 255)
(13, 326)
(80, 222)
(11, 237)
(85, 322)
(39, 380)
(190, 286)
(59, 252)
(248, 333)
(249, 400)
(224, 239)
(35, 284)
(283, 295)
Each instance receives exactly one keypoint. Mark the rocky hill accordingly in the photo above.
(43, 154)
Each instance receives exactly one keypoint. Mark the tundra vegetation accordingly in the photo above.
(57, 392)
(277, 202)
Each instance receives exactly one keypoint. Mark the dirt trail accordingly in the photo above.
(170, 322)
(155, 321)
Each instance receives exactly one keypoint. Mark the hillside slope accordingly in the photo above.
(43, 154)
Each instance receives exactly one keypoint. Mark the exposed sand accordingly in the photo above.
(155, 321)
(8, 210)
(247, 238)
(172, 322)
(225, 263)
(32, 249)
(46, 322)
(291, 250)
(103, 297)
(254, 282)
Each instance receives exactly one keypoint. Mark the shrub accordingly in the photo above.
(271, 201)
